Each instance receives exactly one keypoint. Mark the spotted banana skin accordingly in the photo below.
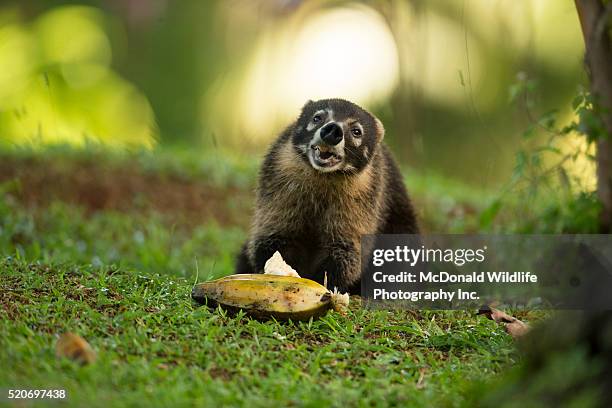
(266, 296)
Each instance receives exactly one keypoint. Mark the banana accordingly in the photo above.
(266, 296)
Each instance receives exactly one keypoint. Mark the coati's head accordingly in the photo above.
(334, 135)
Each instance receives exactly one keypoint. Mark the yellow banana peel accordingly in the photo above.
(270, 296)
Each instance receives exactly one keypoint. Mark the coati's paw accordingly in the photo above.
(331, 281)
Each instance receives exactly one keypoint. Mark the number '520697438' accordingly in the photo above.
(38, 393)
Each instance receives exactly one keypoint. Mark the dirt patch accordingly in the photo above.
(99, 187)
(220, 373)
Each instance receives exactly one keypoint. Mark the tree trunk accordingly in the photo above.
(594, 19)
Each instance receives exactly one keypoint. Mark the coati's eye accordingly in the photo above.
(356, 132)
(316, 118)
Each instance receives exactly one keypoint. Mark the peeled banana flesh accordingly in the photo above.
(266, 296)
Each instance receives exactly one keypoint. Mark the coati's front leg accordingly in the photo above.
(342, 265)
(243, 264)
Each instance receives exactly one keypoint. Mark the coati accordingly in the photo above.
(327, 180)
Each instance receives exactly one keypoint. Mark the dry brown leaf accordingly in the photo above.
(75, 347)
(514, 326)
(420, 384)
(517, 328)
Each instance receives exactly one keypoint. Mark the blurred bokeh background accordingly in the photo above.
(131, 132)
(230, 74)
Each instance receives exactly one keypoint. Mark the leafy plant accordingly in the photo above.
(548, 196)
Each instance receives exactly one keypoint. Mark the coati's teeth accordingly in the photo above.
(326, 155)
(323, 149)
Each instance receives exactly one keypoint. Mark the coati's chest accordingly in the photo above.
(332, 208)
(296, 200)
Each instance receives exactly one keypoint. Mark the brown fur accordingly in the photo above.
(316, 219)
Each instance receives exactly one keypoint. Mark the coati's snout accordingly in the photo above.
(336, 135)
(332, 133)
(326, 151)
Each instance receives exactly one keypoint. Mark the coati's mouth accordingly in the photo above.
(325, 157)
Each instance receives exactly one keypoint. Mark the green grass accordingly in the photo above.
(147, 242)
(156, 348)
(122, 279)
(220, 167)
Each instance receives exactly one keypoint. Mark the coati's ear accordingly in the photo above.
(307, 104)
(380, 129)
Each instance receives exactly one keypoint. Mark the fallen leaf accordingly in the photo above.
(74, 347)
(420, 384)
(517, 328)
(513, 326)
